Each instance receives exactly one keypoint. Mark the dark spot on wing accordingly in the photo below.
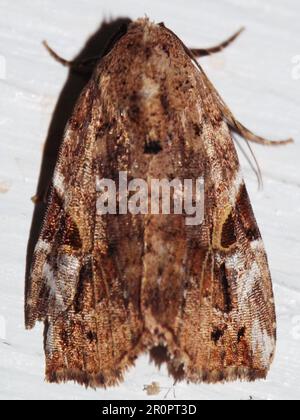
(112, 248)
(64, 336)
(241, 334)
(198, 129)
(223, 355)
(228, 237)
(165, 48)
(152, 147)
(104, 129)
(53, 217)
(70, 232)
(134, 108)
(246, 216)
(91, 336)
(148, 52)
(165, 102)
(253, 234)
(85, 275)
(100, 378)
(227, 307)
(216, 335)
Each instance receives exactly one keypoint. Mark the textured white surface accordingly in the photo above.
(259, 77)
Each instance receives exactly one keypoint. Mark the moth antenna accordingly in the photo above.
(57, 57)
(80, 66)
(248, 135)
(87, 65)
(202, 52)
(235, 124)
(229, 117)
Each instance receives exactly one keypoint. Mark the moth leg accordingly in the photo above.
(83, 66)
(202, 52)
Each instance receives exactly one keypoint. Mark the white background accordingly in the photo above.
(260, 82)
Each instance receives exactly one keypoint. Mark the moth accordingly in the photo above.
(110, 287)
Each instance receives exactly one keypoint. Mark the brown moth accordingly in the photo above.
(110, 287)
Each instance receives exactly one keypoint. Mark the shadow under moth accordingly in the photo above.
(110, 287)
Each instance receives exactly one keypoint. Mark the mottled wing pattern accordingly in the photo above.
(236, 320)
(92, 319)
(227, 326)
(110, 287)
(207, 292)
